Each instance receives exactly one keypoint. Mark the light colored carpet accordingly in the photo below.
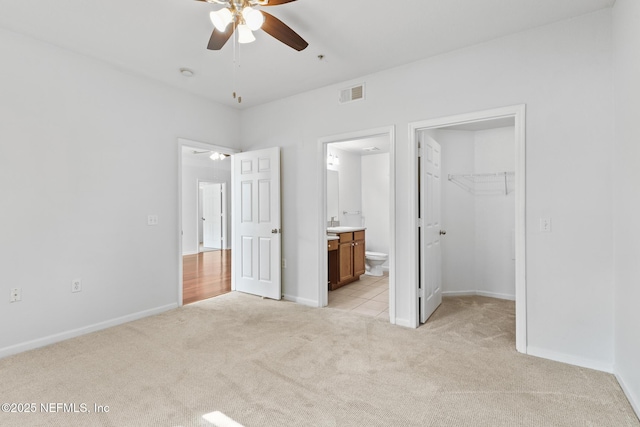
(269, 363)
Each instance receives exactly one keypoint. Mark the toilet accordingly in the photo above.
(374, 261)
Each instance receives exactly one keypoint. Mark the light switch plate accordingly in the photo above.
(545, 225)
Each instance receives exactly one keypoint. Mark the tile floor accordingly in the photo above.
(368, 296)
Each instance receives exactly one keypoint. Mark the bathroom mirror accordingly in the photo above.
(333, 210)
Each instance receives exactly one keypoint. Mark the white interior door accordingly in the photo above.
(430, 291)
(256, 222)
(212, 216)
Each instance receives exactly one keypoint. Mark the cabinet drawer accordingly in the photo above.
(332, 245)
(346, 237)
(358, 235)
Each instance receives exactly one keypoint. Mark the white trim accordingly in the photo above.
(459, 293)
(518, 112)
(182, 142)
(403, 322)
(571, 360)
(302, 301)
(496, 295)
(322, 209)
(73, 333)
(479, 293)
(633, 400)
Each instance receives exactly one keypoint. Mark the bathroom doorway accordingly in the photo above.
(358, 187)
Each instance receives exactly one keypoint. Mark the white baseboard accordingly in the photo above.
(571, 360)
(458, 293)
(52, 339)
(303, 301)
(633, 399)
(496, 295)
(479, 293)
(190, 253)
(404, 322)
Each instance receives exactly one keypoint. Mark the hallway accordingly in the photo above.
(206, 275)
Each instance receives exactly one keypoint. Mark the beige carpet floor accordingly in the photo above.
(269, 363)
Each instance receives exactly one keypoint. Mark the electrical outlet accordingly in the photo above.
(76, 285)
(152, 220)
(16, 295)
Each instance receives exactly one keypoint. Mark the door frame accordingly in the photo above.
(518, 113)
(323, 259)
(183, 142)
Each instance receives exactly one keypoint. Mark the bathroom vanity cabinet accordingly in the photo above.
(346, 258)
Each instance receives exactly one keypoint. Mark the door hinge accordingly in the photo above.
(419, 149)
(419, 222)
(420, 292)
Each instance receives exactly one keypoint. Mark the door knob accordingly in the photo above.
(443, 232)
(203, 218)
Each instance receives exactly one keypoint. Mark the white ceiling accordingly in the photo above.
(358, 145)
(155, 38)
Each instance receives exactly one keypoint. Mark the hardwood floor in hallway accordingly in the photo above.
(205, 275)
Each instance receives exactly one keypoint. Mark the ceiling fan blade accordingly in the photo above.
(219, 38)
(281, 31)
(274, 2)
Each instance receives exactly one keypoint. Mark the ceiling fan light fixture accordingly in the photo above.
(217, 156)
(244, 34)
(253, 18)
(221, 18)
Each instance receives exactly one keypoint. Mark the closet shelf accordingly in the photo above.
(485, 183)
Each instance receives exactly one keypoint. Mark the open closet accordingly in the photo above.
(478, 208)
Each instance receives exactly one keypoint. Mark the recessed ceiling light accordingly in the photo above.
(186, 72)
(371, 149)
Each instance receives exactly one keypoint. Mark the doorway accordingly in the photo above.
(429, 266)
(212, 214)
(204, 251)
(345, 160)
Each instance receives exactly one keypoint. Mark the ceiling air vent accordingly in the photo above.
(350, 94)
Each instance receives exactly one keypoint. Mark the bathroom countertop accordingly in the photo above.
(332, 237)
(344, 229)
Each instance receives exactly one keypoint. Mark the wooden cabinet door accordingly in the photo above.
(358, 258)
(345, 254)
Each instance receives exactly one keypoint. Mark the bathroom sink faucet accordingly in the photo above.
(333, 221)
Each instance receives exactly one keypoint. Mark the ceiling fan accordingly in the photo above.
(243, 15)
(214, 154)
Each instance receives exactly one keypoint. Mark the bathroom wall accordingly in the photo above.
(375, 201)
(478, 249)
(350, 189)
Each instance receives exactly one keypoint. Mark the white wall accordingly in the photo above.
(349, 186)
(562, 72)
(86, 153)
(626, 199)
(458, 214)
(375, 201)
(194, 171)
(495, 214)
